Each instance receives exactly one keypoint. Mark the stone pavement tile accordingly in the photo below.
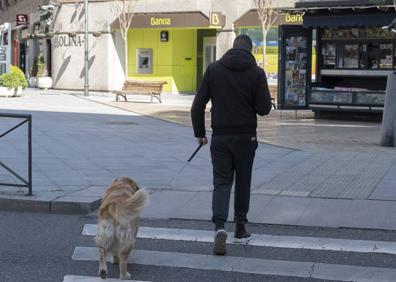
(92, 172)
(97, 181)
(263, 176)
(37, 188)
(384, 195)
(198, 207)
(280, 210)
(361, 188)
(391, 173)
(40, 161)
(92, 191)
(71, 204)
(258, 205)
(69, 180)
(11, 200)
(292, 175)
(303, 186)
(349, 213)
(167, 204)
(385, 190)
(192, 178)
(332, 186)
(334, 164)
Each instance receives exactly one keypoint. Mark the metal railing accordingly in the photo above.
(26, 183)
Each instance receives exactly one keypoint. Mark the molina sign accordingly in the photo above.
(67, 41)
(22, 19)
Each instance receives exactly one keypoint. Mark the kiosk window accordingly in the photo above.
(385, 56)
(329, 55)
(358, 48)
(373, 52)
(363, 63)
(351, 56)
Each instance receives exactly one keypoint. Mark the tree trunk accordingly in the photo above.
(126, 56)
(264, 48)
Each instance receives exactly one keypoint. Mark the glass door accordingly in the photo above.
(209, 51)
(295, 66)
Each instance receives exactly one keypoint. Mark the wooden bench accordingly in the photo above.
(135, 87)
(274, 94)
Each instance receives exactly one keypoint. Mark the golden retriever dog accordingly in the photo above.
(118, 223)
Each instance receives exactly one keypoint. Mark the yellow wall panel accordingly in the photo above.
(174, 61)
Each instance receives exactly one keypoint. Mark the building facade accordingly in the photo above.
(172, 40)
(23, 47)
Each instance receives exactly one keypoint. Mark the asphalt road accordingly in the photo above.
(39, 247)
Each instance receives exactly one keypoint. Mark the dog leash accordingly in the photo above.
(184, 166)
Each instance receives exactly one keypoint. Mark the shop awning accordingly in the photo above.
(340, 6)
(167, 20)
(348, 20)
(343, 3)
(251, 19)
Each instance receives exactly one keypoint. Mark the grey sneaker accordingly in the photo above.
(219, 248)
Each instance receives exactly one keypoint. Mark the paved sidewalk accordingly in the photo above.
(80, 146)
(298, 130)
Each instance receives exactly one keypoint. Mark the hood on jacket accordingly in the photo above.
(238, 59)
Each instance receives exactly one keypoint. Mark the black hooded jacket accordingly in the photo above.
(238, 90)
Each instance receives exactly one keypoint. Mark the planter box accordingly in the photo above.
(7, 92)
(18, 91)
(44, 82)
(33, 82)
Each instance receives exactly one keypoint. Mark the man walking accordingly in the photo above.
(238, 91)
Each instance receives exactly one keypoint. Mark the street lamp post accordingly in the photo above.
(86, 53)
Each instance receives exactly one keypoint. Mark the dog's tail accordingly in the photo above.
(132, 207)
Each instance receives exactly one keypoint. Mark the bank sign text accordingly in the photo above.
(160, 21)
(294, 18)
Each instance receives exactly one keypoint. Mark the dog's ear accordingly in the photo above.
(115, 180)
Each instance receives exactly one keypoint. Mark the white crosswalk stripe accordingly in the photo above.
(74, 278)
(246, 265)
(259, 240)
(249, 265)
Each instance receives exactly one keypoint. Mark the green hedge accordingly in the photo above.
(14, 78)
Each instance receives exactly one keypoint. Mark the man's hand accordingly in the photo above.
(202, 140)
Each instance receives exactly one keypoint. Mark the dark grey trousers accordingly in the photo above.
(232, 156)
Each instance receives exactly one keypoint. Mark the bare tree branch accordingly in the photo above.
(267, 16)
(124, 10)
